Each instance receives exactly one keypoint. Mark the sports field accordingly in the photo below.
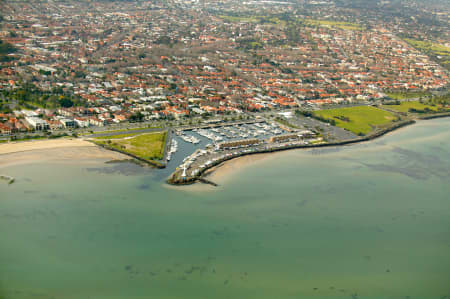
(405, 106)
(360, 120)
(149, 146)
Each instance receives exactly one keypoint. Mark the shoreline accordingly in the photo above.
(38, 151)
(23, 152)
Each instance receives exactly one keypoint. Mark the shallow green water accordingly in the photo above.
(370, 220)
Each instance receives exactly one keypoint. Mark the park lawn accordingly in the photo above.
(441, 52)
(148, 146)
(407, 95)
(405, 106)
(341, 25)
(446, 63)
(317, 141)
(425, 46)
(361, 120)
(248, 19)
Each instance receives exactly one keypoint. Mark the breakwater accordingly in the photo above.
(177, 179)
(205, 181)
(432, 116)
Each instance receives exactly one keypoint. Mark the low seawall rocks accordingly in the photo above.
(435, 116)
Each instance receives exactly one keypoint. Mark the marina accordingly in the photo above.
(190, 139)
(192, 144)
(223, 142)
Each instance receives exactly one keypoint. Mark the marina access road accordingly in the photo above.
(112, 133)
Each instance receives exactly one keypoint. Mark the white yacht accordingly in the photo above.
(173, 149)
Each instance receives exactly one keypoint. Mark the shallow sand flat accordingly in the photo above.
(226, 170)
(52, 150)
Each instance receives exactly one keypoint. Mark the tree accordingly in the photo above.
(66, 102)
(5, 49)
(137, 117)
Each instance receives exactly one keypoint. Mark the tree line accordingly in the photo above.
(31, 97)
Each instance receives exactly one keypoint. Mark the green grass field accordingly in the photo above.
(149, 146)
(407, 95)
(249, 19)
(405, 106)
(336, 24)
(441, 52)
(359, 120)
(435, 48)
(276, 21)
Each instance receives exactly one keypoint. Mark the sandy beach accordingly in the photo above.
(17, 153)
(14, 147)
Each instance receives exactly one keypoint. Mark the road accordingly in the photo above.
(105, 134)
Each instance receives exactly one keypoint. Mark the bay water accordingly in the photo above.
(370, 220)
